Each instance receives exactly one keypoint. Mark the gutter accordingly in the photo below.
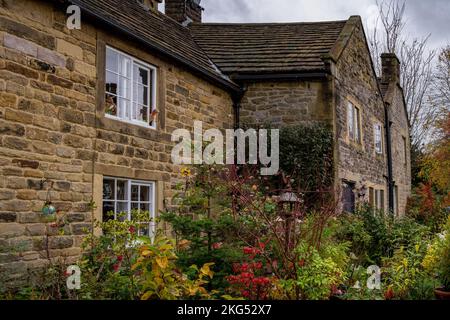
(208, 75)
(280, 76)
(237, 99)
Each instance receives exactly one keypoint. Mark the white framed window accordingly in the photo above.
(353, 123)
(124, 195)
(130, 91)
(378, 138)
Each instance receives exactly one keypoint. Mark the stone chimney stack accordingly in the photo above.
(184, 11)
(390, 68)
(150, 4)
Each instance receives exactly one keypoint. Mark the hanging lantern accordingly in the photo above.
(48, 209)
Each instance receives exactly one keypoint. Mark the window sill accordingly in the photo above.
(358, 146)
(136, 123)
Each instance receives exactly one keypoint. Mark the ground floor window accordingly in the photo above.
(124, 196)
(348, 196)
(376, 198)
(396, 207)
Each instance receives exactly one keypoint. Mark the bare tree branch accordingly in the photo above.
(416, 66)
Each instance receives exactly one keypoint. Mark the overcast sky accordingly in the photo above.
(423, 16)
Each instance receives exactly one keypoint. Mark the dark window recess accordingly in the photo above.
(348, 197)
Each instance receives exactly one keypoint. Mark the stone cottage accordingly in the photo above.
(86, 114)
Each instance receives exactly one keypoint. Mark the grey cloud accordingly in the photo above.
(424, 17)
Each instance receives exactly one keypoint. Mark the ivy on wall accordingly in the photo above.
(306, 155)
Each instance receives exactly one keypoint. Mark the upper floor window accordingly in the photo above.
(353, 123)
(378, 137)
(123, 196)
(130, 89)
(405, 151)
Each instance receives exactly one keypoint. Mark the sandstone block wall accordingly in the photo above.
(286, 103)
(53, 130)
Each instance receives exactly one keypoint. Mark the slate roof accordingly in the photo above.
(219, 51)
(267, 48)
(156, 30)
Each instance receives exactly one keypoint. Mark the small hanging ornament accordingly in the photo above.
(48, 209)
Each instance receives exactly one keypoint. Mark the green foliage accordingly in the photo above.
(306, 154)
(437, 259)
(160, 278)
(319, 271)
(204, 225)
(375, 235)
(403, 270)
(108, 258)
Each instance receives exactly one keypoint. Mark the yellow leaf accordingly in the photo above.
(192, 291)
(146, 253)
(146, 295)
(162, 262)
(205, 270)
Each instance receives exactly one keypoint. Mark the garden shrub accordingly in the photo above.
(437, 259)
(402, 271)
(427, 207)
(306, 154)
(375, 235)
(203, 223)
(161, 280)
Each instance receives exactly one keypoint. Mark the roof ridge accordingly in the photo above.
(264, 23)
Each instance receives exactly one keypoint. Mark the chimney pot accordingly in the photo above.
(390, 68)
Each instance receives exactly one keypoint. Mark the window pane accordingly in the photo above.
(350, 121)
(124, 108)
(135, 206)
(144, 230)
(122, 207)
(108, 189)
(112, 61)
(112, 81)
(142, 113)
(357, 125)
(125, 66)
(348, 197)
(141, 75)
(134, 192)
(122, 190)
(141, 94)
(124, 90)
(111, 105)
(108, 207)
(144, 207)
(371, 197)
(145, 194)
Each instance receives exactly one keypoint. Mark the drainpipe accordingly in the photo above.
(237, 98)
(389, 157)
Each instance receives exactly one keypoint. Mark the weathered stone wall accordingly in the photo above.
(286, 103)
(356, 82)
(401, 160)
(52, 126)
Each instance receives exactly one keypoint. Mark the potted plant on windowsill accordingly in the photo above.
(437, 261)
